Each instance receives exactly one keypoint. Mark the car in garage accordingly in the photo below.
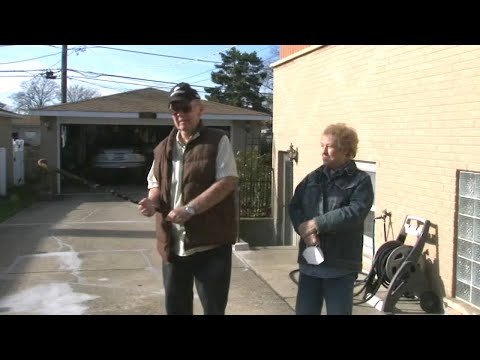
(126, 162)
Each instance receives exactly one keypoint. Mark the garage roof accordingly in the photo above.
(139, 101)
(9, 114)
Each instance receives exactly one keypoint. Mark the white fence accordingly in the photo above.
(18, 162)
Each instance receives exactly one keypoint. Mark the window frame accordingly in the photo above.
(371, 168)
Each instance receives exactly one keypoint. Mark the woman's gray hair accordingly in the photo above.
(345, 138)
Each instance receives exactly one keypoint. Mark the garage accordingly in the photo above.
(109, 140)
(109, 154)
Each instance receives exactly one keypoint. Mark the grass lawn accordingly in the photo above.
(18, 198)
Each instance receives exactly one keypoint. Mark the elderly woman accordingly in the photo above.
(328, 210)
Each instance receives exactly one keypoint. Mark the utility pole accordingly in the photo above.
(64, 73)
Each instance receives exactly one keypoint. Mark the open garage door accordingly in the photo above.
(108, 154)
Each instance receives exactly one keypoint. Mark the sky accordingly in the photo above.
(89, 64)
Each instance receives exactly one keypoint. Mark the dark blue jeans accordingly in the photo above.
(211, 270)
(337, 293)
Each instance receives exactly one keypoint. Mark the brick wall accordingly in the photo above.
(417, 113)
(286, 50)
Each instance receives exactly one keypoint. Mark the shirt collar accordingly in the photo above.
(197, 134)
(349, 167)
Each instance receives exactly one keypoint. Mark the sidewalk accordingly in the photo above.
(277, 265)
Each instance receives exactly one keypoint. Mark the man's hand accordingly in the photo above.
(178, 215)
(307, 228)
(146, 207)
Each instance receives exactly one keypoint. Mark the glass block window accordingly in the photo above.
(468, 239)
(368, 228)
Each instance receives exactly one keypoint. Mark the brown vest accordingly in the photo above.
(215, 226)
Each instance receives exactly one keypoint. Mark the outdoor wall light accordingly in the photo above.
(292, 153)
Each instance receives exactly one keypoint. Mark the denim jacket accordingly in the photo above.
(339, 204)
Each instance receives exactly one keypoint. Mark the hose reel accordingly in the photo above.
(396, 266)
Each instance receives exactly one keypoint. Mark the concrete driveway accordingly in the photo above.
(95, 254)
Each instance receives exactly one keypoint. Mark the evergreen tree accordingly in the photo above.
(240, 77)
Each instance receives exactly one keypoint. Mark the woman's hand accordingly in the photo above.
(311, 240)
(306, 228)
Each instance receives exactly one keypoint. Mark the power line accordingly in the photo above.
(110, 81)
(215, 53)
(124, 82)
(19, 61)
(193, 83)
(189, 77)
(71, 50)
(165, 87)
(22, 70)
(153, 54)
(95, 74)
(127, 77)
(265, 48)
(10, 76)
(97, 85)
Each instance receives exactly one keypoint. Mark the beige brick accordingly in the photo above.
(417, 113)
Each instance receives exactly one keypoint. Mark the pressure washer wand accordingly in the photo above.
(44, 165)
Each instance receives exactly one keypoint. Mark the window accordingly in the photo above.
(467, 282)
(368, 230)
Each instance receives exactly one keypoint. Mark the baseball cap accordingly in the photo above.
(183, 91)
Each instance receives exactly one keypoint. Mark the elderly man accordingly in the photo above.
(192, 183)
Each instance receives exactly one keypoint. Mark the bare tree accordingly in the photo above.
(268, 82)
(274, 56)
(37, 93)
(78, 93)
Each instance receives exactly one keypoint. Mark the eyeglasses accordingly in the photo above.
(180, 106)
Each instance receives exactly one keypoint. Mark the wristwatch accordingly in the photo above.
(190, 209)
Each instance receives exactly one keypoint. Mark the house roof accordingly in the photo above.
(136, 101)
(9, 114)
